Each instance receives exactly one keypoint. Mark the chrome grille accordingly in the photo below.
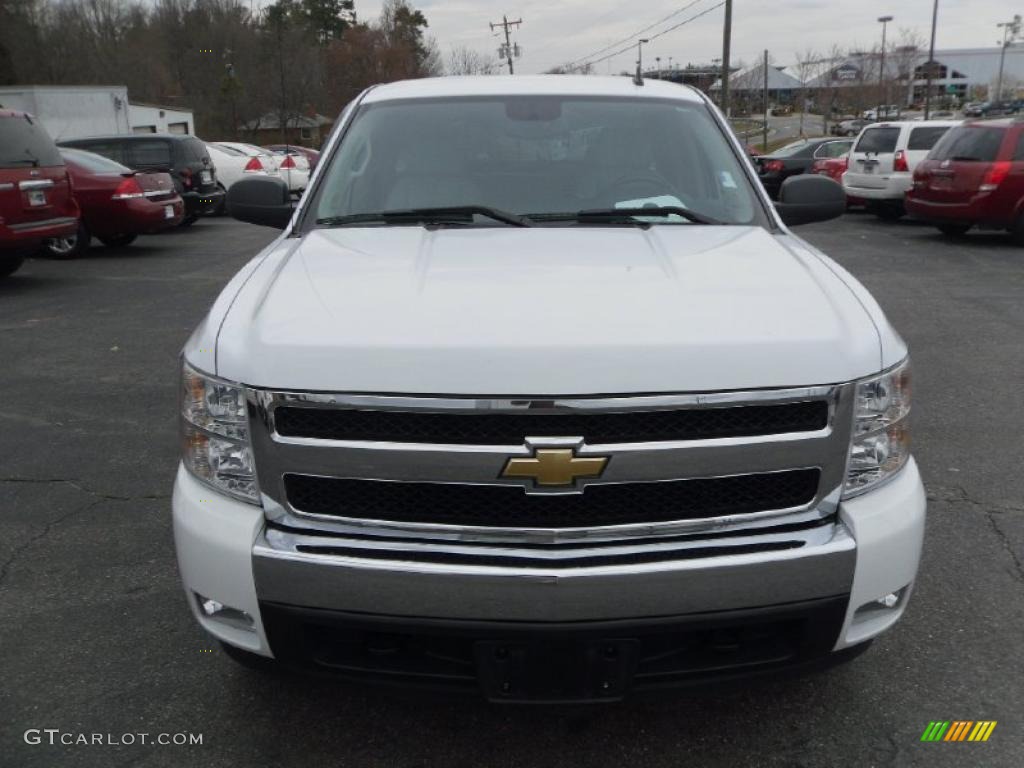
(509, 507)
(512, 428)
(343, 483)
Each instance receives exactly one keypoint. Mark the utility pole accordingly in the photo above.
(658, 59)
(931, 59)
(881, 69)
(508, 50)
(1010, 31)
(726, 45)
(764, 137)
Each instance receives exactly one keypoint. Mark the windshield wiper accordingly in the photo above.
(445, 215)
(628, 215)
(30, 160)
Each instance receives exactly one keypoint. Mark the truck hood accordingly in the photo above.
(545, 311)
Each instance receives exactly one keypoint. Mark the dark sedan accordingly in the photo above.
(795, 159)
(117, 203)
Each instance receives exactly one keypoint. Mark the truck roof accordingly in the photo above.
(529, 85)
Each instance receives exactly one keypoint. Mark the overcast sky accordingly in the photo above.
(555, 31)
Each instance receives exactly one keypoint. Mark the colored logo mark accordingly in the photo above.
(958, 730)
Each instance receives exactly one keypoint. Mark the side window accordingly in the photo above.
(151, 153)
(833, 149)
(1018, 154)
(925, 138)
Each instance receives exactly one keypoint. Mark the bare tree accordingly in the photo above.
(807, 65)
(465, 61)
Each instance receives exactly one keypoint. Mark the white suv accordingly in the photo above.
(882, 162)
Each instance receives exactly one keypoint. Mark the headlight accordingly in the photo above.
(880, 444)
(215, 435)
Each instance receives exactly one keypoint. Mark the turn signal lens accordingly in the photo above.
(254, 166)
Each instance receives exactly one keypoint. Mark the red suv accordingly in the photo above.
(974, 176)
(35, 190)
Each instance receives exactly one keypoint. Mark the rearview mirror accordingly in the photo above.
(808, 198)
(262, 200)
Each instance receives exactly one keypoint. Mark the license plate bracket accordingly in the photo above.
(556, 670)
(168, 211)
(36, 197)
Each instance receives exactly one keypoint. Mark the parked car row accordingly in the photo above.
(58, 197)
(956, 175)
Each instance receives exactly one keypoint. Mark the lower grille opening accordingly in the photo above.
(510, 507)
(588, 660)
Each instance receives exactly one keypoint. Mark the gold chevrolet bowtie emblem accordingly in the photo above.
(555, 467)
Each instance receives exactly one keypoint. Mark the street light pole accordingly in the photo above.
(640, 55)
(881, 70)
(726, 45)
(1010, 30)
(658, 60)
(931, 59)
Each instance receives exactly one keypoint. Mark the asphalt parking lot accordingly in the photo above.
(96, 636)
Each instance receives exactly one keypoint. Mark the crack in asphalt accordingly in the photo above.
(98, 498)
(16, 552)
(959, 495)
(80, 486)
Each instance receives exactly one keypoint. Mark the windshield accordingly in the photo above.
(535, 156)
(878, 140)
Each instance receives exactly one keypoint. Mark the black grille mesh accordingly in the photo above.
(509, 506)
(513, 428)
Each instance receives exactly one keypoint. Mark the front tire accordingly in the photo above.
(118, 241)
(70, 247)
(248, 659)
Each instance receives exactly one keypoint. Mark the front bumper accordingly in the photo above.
(226, 552)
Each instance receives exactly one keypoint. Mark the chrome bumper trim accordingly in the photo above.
(822, 566)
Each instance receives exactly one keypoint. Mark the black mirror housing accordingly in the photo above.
(808, 198)
(262, 200)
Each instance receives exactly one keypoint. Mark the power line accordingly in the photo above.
(635, 35)
(652, 38)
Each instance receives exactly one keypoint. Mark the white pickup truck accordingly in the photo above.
(536, 395)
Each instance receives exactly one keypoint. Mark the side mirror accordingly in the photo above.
(809, 198)
(261, 200)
